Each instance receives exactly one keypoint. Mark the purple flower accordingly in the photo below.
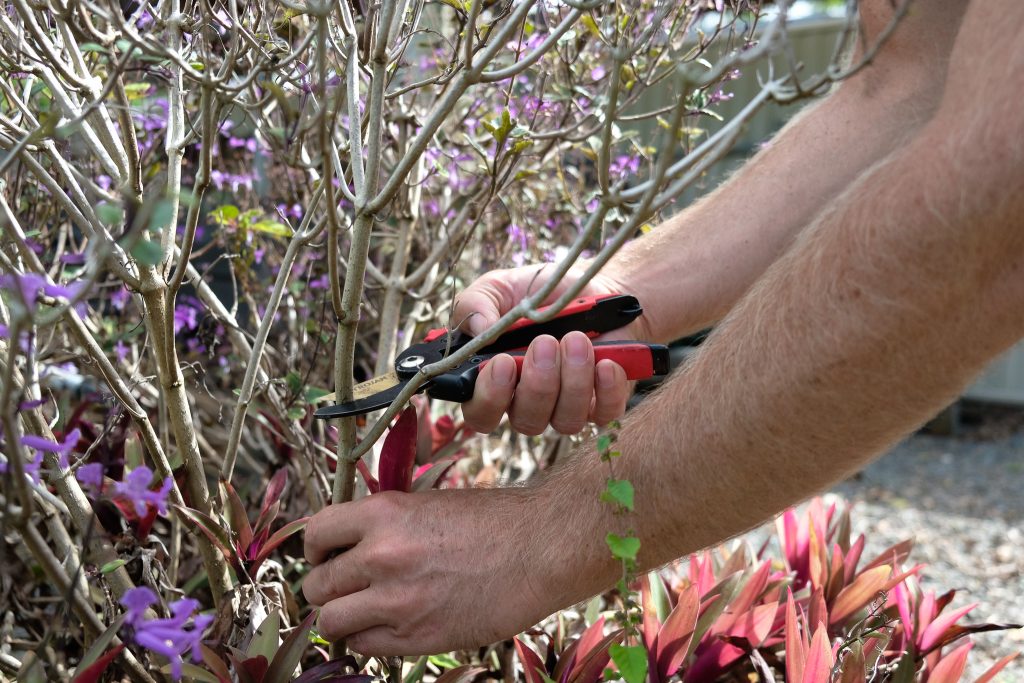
(185, 318)
(623, 165)
(31, 284)
(598, 72)
(171, 637)
(104, 181)
(91, 475)
(46, 446)
(135, 488)
(28, 284)
(121, 349)
(119, 298)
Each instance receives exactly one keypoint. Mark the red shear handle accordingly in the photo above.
(639, 360)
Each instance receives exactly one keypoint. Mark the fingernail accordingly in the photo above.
(503, 370)
(544, 352)
(478, 325)
(606, 375)
(577, 349)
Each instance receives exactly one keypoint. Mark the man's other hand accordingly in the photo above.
(422, 573)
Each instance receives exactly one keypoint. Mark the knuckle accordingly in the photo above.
(568, 426)
(529, 427)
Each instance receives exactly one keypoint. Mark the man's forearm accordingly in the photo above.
(879, 313)
(692, 269)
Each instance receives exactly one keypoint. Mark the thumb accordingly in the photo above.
(476, 309)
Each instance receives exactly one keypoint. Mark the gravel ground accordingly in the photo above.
(962, 500)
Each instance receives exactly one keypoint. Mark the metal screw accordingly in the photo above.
(411, 362)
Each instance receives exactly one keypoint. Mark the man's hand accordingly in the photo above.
(421, 573)
(560, 384)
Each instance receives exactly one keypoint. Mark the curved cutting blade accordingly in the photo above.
(368, 403)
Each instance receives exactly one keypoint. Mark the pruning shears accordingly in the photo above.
(592, 315)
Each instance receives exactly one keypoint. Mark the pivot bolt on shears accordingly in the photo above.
(592, 315)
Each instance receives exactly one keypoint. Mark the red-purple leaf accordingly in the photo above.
(290, 652)
(950, 668)
(274, 490)
(277, 539)
(428, 476)
(651, 623)
(674, 638)
(533, 667)
(460, 674)
(935, 630)
(332, 672)
(862, 591)
(237, 516)
(852, 558)
(590, 663)
(818, 668)
(996, 668)
(211, 529)
(893, 556)
(255, 668)
(956, 632)
(215, 664)
(92, 673)
(398, 454)
(372, 485)
(756, 625)
(590, 637)
(796, 643)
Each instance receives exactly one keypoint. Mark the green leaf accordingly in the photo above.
(147, 252)
(99, 645)
(443, 661)
(162, 215)
(272, 228)
(93, 47)
(224, 214)
(110, 214)
(290, 652)
(265, 640)
(631, 661)
(136, 91)
(294, 382)
(112, 566)
(604, 443)
(591, 25)
(623, 547)
(296, 413)
(314, 394)
(619, 492)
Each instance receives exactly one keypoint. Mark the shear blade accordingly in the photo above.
(387, 387)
